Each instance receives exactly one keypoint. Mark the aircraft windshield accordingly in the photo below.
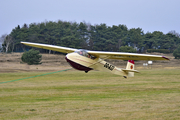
(85, 53)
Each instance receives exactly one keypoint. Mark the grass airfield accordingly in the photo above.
(74, 95)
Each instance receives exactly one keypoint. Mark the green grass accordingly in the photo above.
(152, 94)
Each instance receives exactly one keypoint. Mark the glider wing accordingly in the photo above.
(100, 54)
(126, 56)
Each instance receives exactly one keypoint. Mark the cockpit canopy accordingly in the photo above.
(85, 53)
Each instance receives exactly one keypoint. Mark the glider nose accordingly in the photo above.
(76, 65)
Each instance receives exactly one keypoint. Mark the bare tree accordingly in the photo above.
(175, 33)
(7, 42)
(2, 39)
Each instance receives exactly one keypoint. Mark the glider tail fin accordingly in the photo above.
(130, 66)
(130, 69)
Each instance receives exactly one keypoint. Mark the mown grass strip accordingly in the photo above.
(35, 76)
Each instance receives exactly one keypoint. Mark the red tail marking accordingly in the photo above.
(131, 66)
(131, 61)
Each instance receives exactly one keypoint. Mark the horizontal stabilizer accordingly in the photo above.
(126, 70)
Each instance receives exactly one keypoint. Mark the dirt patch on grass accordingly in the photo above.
(12, 63)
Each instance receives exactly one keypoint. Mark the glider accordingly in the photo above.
(86, 60)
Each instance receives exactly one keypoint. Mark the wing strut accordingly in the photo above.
(99, 61)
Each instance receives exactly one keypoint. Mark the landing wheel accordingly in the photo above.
(86, 71)
(125, 77)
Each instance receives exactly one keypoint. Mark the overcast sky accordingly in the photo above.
(150, 15)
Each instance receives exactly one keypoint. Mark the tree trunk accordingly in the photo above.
(7, 46)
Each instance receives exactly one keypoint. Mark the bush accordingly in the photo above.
(176, 52)
(31, 57)
(158, 50)
(127, 49)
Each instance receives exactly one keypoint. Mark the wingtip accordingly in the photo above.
(21, 42)
(26, 42)
(165, 58)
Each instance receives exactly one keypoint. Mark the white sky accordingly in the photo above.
(150, 15)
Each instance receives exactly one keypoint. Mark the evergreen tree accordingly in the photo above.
(127, 49)
(93, 37)
(176, 53)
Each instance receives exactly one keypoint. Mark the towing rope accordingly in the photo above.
(35, 76)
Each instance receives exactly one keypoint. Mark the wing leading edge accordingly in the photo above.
(50, 47)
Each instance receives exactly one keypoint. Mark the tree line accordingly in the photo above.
(86, 36)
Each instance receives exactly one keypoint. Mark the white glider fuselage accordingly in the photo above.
(81, 60)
